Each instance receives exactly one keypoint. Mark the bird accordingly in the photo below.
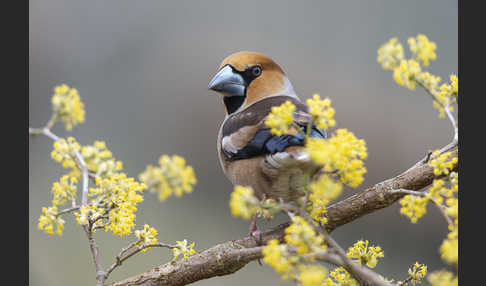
(275, 167)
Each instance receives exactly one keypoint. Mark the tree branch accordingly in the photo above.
(228, 257)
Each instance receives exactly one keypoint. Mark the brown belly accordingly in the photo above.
(287, 185)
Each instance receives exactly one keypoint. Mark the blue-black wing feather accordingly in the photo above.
(264, 142)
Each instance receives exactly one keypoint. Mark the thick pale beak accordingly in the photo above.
(228, 82)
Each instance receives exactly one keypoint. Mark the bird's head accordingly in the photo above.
(246, 77)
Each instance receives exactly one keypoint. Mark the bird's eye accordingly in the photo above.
(256, 71)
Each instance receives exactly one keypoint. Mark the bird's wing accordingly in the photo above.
(245, 135)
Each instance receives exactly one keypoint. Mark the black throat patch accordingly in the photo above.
(232, 103)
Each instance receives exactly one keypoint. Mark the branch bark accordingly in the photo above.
(228, 257)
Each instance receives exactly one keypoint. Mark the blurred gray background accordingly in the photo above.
(142, 69)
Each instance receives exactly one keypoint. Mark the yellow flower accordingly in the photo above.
(146, 237)
(64, 152)
(343, 278)
(364, 254)
(417, 272)
(49, 219)
(120, 196)
(321, 111)
(405, 74)
(454, 84)
(413, 207)
(64, 190)
(343, 153)
(274, 255)
(302, 235)
(312, 275)
(440, 163)
(422, 48)
(67, 106)
(100, 160)
(449, 250)
(317, 214)
(429, 80)
(443, 278)
(280, 118)
(445, 95)
(243, 203)
(89, 213)
(390, 54)
(183, 249)
(172, 176)
(323, 191)
(452, 208)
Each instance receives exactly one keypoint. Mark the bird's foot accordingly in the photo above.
(256, 234)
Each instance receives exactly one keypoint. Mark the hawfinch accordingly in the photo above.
(274, 166)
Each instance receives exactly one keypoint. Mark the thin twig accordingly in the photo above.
(75, 208)
(363, 275)
(119, 259)
(95, 253)
(404, 282)
(444, 106)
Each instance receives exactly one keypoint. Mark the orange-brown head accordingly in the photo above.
(246, 77)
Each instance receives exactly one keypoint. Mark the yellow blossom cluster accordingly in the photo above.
(343, 153)
(67, 106)
(414, 207)
(363, 254)
(422, 49)
(243, 203)
(342, 277)
(49, 219)
(405, 74)
(408, 72)
(146, 236)
(321, 111)
(172, 176)
(417, 272)
(323, 191)
(280, 118)
(64, 190)
(446, 95)
(277, 256)
(444, 194)
(300, 237)
(97, 157)
(312, 275)
(303, 237)
(442, 278)
(63, 152)
(113, 202)
(441, 164)
(390, 54)
(89, 214)
(449, 249)
(120, 196)
(183, 249)
(100, 160)
(430, 81)
(439, 190)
